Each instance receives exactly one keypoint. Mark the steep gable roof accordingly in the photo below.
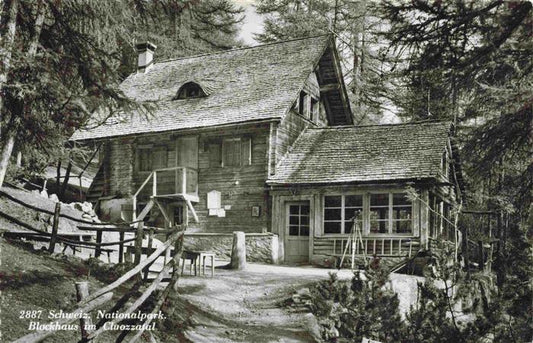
(364, 154)
(249, 84)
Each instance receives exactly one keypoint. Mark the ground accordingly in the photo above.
(233, 306)
(250, 305)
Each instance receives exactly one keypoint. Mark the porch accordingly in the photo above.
(163, 186)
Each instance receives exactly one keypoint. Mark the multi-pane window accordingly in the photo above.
(235, 152)
(374, 213)
(339, 211)
(299, 220)
(379, 213)
(333, 214)
(401, 214)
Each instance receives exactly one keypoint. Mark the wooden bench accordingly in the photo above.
(198, 260)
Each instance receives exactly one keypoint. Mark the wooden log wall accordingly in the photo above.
(241, 187)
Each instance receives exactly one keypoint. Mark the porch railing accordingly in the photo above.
(369, 246)
(171, 181)
(175, 181)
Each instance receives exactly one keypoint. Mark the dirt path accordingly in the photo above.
(247, 306)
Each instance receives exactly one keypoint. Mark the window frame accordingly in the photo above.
(185, 90)
(342, 208)
(245, 151)
(365, 220)
(225, 141)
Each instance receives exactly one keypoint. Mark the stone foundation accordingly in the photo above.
(259, 246)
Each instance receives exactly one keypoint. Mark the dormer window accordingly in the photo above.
(190, 90)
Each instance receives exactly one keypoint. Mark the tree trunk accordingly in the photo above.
(238, 251)
(58, 176)
(65, 181)
(7, 43)
(7, 149)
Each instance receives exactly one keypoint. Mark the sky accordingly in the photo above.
(253, 23)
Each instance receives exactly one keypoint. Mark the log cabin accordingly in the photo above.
(262, 140)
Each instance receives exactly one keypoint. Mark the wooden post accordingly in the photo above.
(184, 181)
(154, 187)
(121, 248)
(82, 292)
(98, 249)
(138, 243)
(55, 225)
(238, 251)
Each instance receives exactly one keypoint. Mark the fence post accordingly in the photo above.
(55, 225)
(121, 247)
(82, 292)
(98, 249)
(238, 251)
(149, 251)
(138, 243)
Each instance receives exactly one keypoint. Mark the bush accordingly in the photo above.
(362, 307)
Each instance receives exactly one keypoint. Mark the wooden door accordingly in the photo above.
(297, 232)
(188, 152)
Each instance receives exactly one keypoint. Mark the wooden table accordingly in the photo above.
(198, 260)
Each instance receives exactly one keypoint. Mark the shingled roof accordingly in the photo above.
(365, 154)
(249, 84)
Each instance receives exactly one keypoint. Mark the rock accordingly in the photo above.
(44, 193)
(53, 197)
(78, 206)
(96, 220)
(86, 216)
(304, 292)
(313, 327)
(324, 261)
(87, 207)
(92, 213)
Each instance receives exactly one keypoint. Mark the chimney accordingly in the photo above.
(146, 55)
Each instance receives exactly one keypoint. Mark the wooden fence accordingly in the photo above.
(90, 302)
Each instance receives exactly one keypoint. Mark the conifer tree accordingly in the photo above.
(63, 60)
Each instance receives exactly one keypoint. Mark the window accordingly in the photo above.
(390, 213)
(231, 156)
(190, 90)
(302, 103)
(315, 109)
(235, 152)
(375, 213)
(401, 214)
(445, 165)
(379, 213)
(339, 211)
(299, 220)
(333, 214)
